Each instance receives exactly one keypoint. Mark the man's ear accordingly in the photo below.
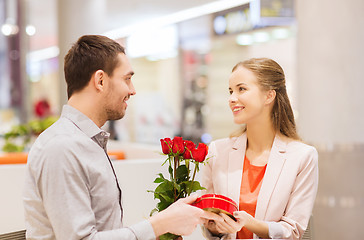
(98, 79)
(271, 95)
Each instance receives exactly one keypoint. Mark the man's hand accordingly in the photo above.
(181, 218)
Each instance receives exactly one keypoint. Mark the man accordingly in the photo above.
(71, 190)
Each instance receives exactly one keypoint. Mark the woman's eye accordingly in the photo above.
(241, 89)
(230, 92)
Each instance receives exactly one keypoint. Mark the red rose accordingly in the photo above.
(189, 147)
(178, 146)
(200, 153)
(166, 144)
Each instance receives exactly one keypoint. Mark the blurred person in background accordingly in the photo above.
(71, 189)
(265, 167)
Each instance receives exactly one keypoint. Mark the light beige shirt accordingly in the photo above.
(70, 188)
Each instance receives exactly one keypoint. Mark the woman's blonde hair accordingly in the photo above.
(270, 76)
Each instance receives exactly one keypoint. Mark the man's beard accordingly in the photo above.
(114, 115)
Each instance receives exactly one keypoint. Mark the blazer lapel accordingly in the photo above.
(274, 167)
(235, 167)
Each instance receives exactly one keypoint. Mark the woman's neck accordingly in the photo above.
(260, 137)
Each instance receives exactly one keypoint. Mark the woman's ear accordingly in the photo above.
(271, 95)
(98, 80)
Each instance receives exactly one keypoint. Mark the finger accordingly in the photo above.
(229, 224)
(212, 216)
(222, 227)
(239, 214)
(206, 222)
(227, 218)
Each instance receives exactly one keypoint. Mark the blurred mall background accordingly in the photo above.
(182, 53)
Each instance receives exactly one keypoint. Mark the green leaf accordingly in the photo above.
(159, 180)
(193, 186)
(161, 175)
(177, 186)
(181, 174)
(165, 161)
(165, 196)
(11, 147)
(163, 205)
(164, 187)
(168, 236)
(153, 211)
(197, 167)
(170, 170)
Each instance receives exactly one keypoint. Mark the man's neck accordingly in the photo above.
(86, 106)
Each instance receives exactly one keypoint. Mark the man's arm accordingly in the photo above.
(181, 218)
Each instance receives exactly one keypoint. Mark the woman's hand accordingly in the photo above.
(227, 225)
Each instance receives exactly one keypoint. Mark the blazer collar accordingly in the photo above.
(274, 166)
(235, 168)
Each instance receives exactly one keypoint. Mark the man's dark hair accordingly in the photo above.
(89, 54)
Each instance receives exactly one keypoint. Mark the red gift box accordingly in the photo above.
(216, 203)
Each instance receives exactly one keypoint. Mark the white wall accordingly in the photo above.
(330, 71)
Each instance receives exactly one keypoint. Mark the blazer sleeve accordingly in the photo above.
(300, 204)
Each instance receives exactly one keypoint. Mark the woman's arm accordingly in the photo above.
(301, 200)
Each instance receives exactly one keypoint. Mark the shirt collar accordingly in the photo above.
(86, 125)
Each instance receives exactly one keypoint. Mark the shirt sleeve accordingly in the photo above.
(139, 231)
(67, 202)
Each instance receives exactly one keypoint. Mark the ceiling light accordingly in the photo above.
(280, 33)
(9, 29)
(30, 30)
(261, 37)
(180, 16)
(43, 54)
(220, 25)
(244, 39)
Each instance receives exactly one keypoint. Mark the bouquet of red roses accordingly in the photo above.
(182, 156)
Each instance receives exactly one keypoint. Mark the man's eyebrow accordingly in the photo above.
(131, 73)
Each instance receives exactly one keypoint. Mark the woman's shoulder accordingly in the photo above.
(295, 144)
(301, 150)
(297, 147)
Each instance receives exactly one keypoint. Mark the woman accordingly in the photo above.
(265, 167)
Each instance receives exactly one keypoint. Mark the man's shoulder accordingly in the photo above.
(60, 130)
(62, 135)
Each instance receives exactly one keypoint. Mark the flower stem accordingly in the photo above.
(176, 160)
(193, 178)
(170, 164)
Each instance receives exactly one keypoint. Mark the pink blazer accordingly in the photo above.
(289, 187)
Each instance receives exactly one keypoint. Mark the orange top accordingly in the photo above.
(250, 186)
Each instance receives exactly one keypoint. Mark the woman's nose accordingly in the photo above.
(232, 98)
